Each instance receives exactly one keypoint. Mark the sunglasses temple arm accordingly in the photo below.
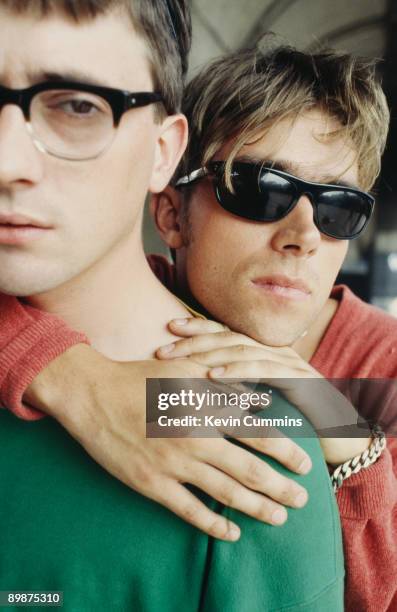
(193, 176)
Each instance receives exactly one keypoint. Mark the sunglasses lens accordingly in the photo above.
(263, 197)
(342, 214)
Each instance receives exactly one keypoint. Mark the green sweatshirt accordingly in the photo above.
(67, 525)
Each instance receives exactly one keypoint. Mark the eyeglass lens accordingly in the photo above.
(72, 124)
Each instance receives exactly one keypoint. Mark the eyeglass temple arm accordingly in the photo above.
(143, 99)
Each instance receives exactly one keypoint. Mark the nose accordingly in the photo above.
(296, 234)
(20, 160)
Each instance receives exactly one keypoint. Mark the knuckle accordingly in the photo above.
(287, 494)
(225, 333)
(144, 476)
(254, 474)
(228, 495)
(194, 447)
(264, 511)
(214, 326)
(188, 343)
(265, 443)
(163, 453)
(242, 349)
(294, 455)
(256, 366)
(191, 513)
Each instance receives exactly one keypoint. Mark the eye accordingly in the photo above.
(73, 105)
(79, 107)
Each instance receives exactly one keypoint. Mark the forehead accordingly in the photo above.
(307, 146)
(106, 48)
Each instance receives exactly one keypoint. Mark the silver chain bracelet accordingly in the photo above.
(367, 458)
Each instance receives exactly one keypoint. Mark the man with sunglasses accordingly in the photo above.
(83, 138)
(269, 194)
(311, 187)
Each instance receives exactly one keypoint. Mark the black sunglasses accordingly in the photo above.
(119, 101)
(265, 194)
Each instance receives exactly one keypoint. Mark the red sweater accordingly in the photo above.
(360, 342)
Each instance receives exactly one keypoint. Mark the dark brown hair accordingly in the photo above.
(164, 24)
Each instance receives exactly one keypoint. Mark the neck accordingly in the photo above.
(118, 303)
(307, 345)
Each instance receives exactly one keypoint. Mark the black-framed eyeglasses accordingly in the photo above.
(74, 121)
(266, 194)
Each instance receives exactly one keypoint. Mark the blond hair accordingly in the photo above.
(242, 95)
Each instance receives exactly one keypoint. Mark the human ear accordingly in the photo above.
(165, 208)
(170, 146)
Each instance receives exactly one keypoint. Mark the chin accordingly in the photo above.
(25, 286)
(26, 276)
(19, 290)
(274, 335)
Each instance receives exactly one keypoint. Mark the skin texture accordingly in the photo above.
(219, 255)
(231, 355)
(58, 192)
(224, 253)
(93, 209)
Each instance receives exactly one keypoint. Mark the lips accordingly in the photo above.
(17, 229)
(283, 286)
(17, 220)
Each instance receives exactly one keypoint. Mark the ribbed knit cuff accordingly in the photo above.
(369, 492)
(29, 353)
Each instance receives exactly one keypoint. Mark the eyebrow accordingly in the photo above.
(295, 169)
(75, 76)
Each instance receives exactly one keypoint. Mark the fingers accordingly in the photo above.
(189, 508)
(284, 450)
(234, 495)
(194, 325)
(256, 475)
(238, 353)
(263, 369)
(207, 342)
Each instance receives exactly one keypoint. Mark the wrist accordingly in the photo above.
(361, 461)
(70, 371)
(340, 450)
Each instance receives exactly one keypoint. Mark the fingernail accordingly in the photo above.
(179, 321)
(300, 500)
(305, 466)
(233, 533)
(217, 372)
(168, 348)
(279, 517)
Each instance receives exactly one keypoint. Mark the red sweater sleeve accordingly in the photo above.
(368, 508)
(29, 340)
(361, 342)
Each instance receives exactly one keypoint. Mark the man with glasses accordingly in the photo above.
(69, 116)
(83, 138)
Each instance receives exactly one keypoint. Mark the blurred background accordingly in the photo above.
(362, 27)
